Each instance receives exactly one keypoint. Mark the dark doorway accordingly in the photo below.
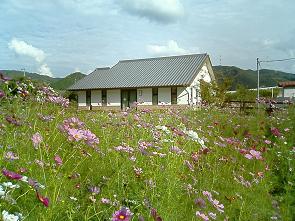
(128, 97)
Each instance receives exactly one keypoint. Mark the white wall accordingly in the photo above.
(96, 98)
(81, 98)
(182, 95)
(202, 75)
(164, 96)
(114, 97)
(146, 97)
(289, 92)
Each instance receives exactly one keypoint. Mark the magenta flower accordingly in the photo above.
(42, 199)
(37, 139)
(275, 131)
(58, 160)
(124, 214)
(2, 94)
(11, 175)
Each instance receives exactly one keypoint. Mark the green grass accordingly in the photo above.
(166, 183)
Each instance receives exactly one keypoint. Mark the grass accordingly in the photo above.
(249, 189)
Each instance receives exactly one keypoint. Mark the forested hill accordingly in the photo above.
(248, 78)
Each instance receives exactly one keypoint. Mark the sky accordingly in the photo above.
(58, 37)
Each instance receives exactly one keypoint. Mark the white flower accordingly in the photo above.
(73, 198)
(163, 128)
(10, 185)
(11, 217)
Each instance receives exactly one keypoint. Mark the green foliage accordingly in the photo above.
(213, 93)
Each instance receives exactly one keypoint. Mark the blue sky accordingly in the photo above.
(57, 37)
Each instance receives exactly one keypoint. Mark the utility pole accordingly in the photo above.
(258, 79)
(24, 70)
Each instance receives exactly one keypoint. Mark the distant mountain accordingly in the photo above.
(33, 76)
(56, 83)
(67, 81)
(248, 78)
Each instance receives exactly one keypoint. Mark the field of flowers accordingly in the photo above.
(58, 163)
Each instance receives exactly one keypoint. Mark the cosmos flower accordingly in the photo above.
(90, 138)
(105, 201)
(94, 190)
(254, 154)
(124, 214)
(37, 139)
(13, 120)
(11, 175)
(10, 156)
(202, 215)
(275, 131)
(2, 94)
(58, 160)
(200, 202)
(75, 134)
(42, 199)
(6, 216)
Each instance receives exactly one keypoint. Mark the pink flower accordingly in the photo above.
(11, 175)
(202, 215)
(275, 131)
(58, 160)
(90, 138)
(75, 134)
(256, 154)
(253, 154)
(37, 139)
(267, 141)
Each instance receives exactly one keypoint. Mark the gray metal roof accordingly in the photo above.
(149, 72)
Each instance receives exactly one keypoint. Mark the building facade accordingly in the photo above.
(149, 82)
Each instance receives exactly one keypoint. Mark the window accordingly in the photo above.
(155, 96)
(88, 98)
(174, 95)
(104, 97)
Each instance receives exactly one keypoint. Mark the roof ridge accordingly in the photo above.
(162, 57)
(103, 68)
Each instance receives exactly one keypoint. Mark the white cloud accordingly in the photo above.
(22, 48)
(164, 11)
(171, 48)
(45, 70)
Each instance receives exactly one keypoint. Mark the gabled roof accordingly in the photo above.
(149, 72)
(287, 84)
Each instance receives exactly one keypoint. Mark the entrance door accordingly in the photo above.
(132, 97)
(128, 97)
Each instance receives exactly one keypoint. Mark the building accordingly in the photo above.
(288, 89)
(173, 80)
